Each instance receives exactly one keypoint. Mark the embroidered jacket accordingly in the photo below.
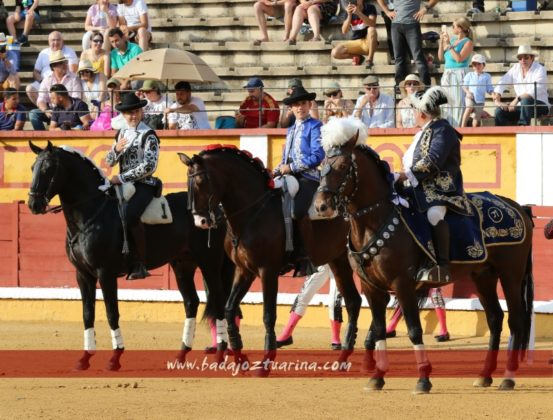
(435, 173)
(303, 150)
(138, 161)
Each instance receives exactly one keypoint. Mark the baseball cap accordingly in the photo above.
(254, 82)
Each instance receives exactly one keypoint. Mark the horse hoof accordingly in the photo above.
(336, 346)
(374, 384)
(423, 386)
(507, 385)
(210, 350)
(82, 365)
(482, 382)
(113, 366)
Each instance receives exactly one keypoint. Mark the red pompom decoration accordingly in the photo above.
(548, 230)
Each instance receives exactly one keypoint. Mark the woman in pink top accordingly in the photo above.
(100, 17)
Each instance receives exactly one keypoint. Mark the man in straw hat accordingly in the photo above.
(136, 149)
(432, 175)
(60, 75)
(529, 79)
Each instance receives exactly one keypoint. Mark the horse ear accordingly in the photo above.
(353, 141)
(36, 150)
(49, 146)
(185, 159)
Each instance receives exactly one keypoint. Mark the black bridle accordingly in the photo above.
(211, 205)
(46, 195)
(339, 198)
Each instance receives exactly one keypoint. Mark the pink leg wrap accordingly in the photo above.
(396, 317)
(335, 329)
(289, 329)
(213, 330)
(440, 313)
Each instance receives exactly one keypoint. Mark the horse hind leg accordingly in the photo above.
(87, 286)
(108, 283)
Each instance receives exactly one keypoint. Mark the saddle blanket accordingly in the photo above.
(158, 211)
(493, 222)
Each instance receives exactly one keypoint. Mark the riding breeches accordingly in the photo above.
(435, 214)
(437, 298)
(138, 202)
(304, 197)
(312, 285)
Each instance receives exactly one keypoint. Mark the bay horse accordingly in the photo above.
(95, 238)
(256, 236)
(356, 182)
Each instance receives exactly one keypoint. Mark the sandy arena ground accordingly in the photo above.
(247, 398)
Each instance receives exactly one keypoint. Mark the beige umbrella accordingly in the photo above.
(168, 64)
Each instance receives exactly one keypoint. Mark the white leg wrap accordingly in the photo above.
(189, 331)
(117, 339)
(381, 355)
(420, 355)
(221, 327)
(90, 340)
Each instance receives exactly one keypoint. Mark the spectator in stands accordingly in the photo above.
(100, 18)
(134, 21)
(8, 73)
(405, 116)
(97, 55)
(60, 75)
(108, 114)
(407, 36)
(287, 117)
(43, 67)
(157, 102)
(275, 8)
(388, 25)
(361, 20)
(188, 111)
(67, 113)
(12, 114)
(122, 50)
(94, 87)
(478, 7)
(374, 108)
(259, 109)
(118, 121)
(455, 52)
(25, 10)
(335, 106)
(522, 76)
(316, 12)
(476, 84)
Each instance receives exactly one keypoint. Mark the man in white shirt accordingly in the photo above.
(42, 64)
(374, 108)
(187, 111)
(529, 80)
(133, 19)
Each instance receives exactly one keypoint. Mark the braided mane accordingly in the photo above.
(382, 165)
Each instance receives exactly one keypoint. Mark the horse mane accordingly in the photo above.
(382, 165)
(338, 131)
(244, 155)
(95, 168)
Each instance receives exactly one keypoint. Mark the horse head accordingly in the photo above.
(46, 177)
(202, 202)
(339, 181)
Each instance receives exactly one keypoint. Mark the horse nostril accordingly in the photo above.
(323, 207)
(203, 222)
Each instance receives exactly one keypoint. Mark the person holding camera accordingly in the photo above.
(8, 73)
(361, 20)
(68, 113)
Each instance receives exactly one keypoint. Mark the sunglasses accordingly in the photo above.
(97, 41)
(332, 94)
(85, 71)
(524, 57)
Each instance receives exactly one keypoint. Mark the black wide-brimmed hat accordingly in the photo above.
(130, 102)
(299, 94)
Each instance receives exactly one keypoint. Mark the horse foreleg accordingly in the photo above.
(108, 283)
(408, 302)
(269, 281)
(87, 285)
(487, 291)
(184, 273)
(240, 286)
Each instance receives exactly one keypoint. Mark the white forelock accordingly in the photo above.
(338, 131)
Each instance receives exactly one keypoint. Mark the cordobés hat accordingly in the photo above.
(299, 94)
(429, 102)
(525, 50)
(57, 57)
(130, 102)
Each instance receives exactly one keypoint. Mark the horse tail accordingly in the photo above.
(527, 292)
(214, 304)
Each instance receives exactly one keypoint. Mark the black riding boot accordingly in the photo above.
(138, 270)
(439, 273)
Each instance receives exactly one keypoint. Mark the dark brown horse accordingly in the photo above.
(256, 235)
(354, 180)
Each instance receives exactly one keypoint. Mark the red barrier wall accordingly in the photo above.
(32, 254)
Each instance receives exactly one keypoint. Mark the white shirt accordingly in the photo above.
(382, 112)
(133, 12)
(200, 116)
(410, 154)
(525, 85)
(42, 63)
(156, 107)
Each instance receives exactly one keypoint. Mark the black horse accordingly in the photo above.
(355, 180)
(95, 238)
(256, 235)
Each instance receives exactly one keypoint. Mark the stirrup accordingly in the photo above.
(138, 272)
(436, 274)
